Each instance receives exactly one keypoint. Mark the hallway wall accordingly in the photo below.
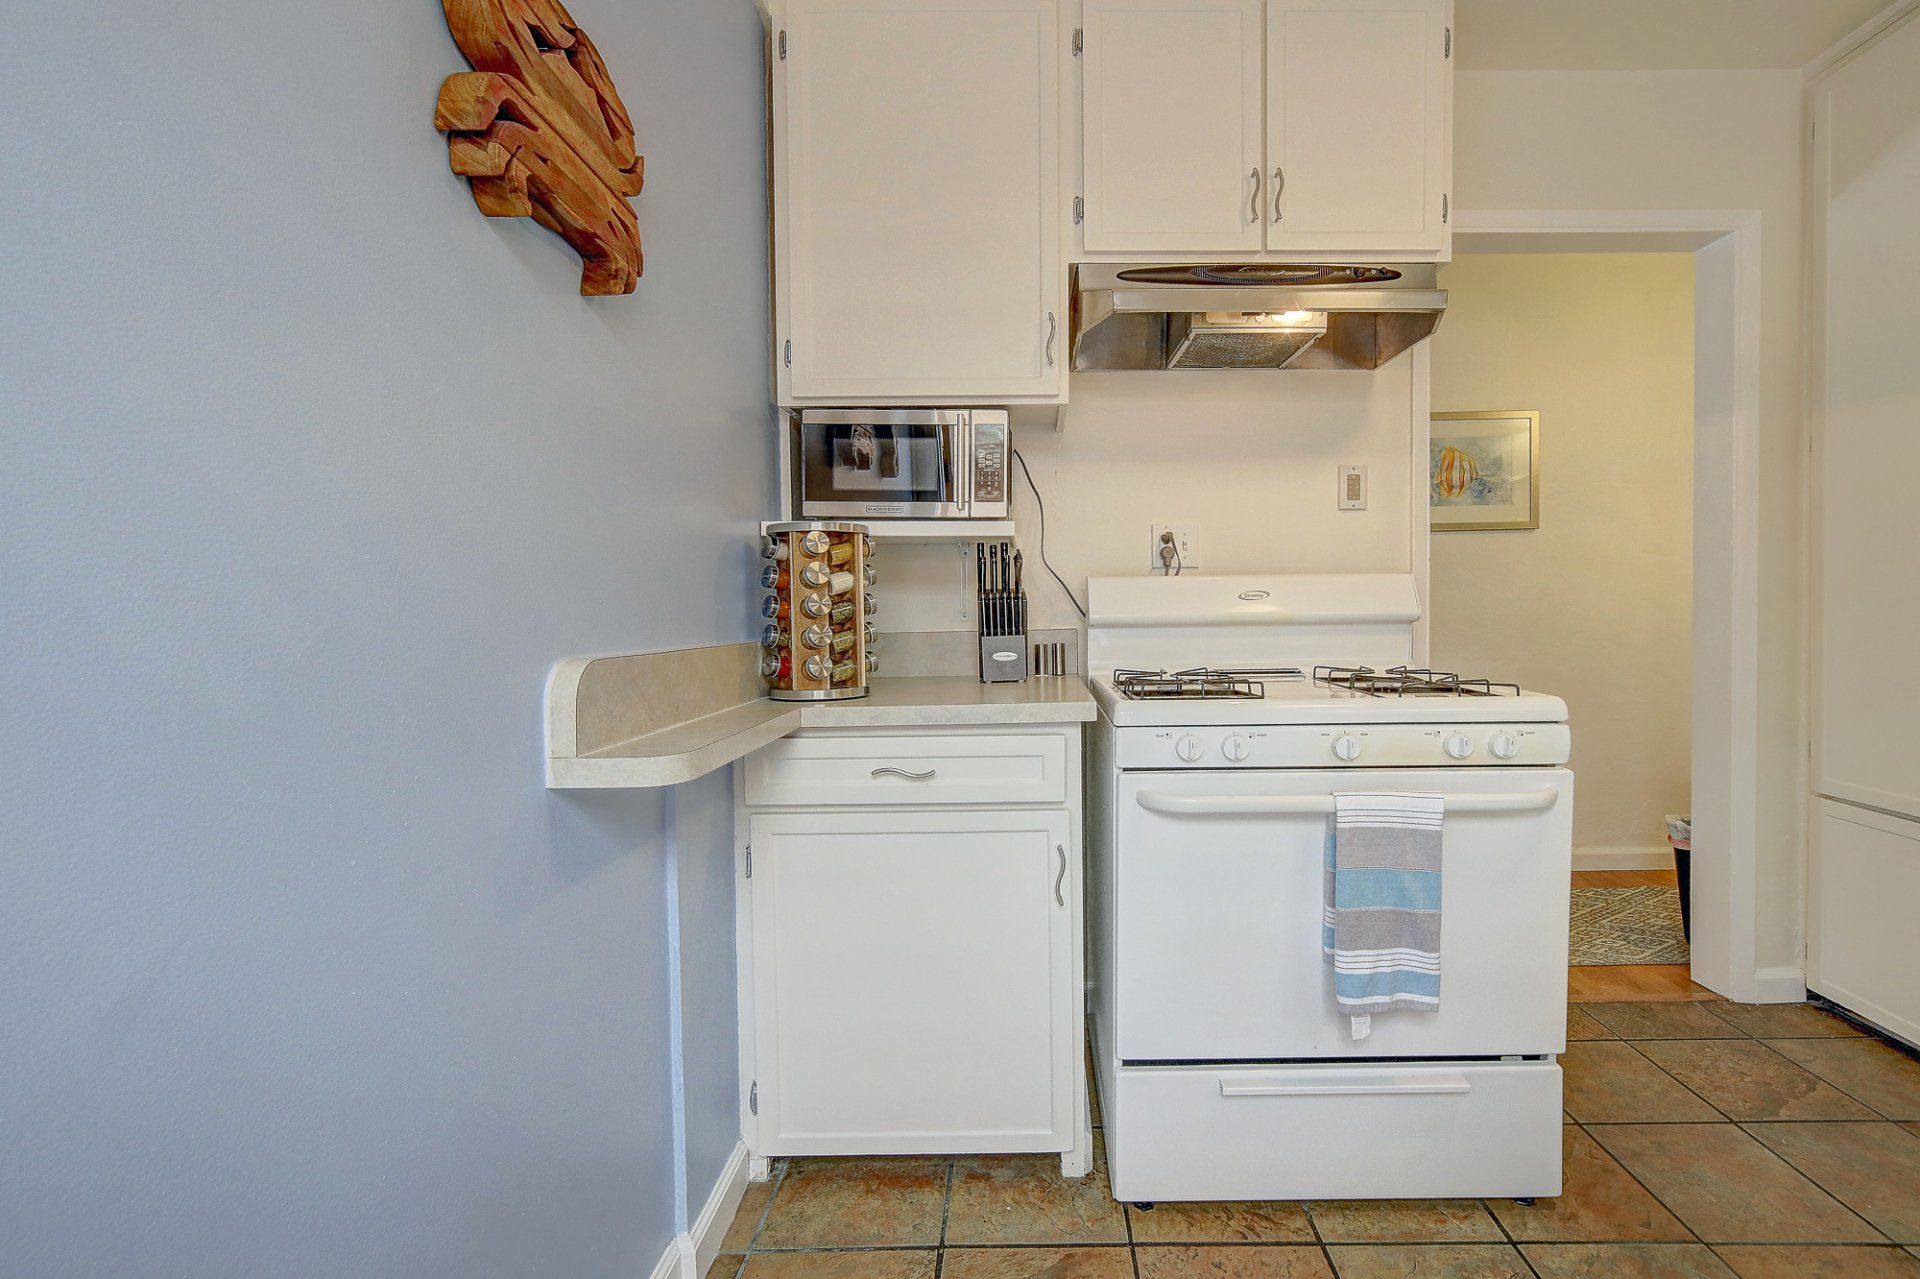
(1595, 604)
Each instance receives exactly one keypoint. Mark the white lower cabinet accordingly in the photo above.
(911, 980)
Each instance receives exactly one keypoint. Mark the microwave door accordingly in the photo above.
(880, 470)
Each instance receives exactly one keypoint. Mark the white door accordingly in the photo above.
(1358, 126)
(1218, 937)
(917, 199)
(1866, 599)
(1173, 148)
(913, 981)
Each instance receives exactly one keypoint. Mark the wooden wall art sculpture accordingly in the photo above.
(538, 129)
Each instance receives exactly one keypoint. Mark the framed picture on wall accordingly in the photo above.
(1484, 470)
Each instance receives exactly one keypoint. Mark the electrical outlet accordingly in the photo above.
(1353, 488)
(1186, 547)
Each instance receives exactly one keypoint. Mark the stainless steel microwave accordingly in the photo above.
(905, 464)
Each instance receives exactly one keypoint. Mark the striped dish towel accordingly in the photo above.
(1381, 925)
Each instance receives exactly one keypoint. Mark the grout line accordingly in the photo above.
(1724, 1116)
(766, 1209)
(1621, 1164)
(946, 1208)
(1306, 1207)
(1808, 1070)
(1815, 1182)
(1486, 1206)
(1126, 1219)
(1788, 1243)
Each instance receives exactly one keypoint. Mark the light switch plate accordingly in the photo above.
(1353, 488)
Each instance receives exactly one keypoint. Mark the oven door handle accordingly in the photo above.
(1172, 805)
(1347, 1084)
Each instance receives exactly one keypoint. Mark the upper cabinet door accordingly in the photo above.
(1174, 159)
(916, 147)
(1359, 96)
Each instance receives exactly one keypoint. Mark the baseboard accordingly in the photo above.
(1657, 857)
(671, 1264)
(701, 1243)
(1786, 984)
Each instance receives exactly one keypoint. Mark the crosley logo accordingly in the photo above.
(1254, 595)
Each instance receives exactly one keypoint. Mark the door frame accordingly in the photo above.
(1725, 244)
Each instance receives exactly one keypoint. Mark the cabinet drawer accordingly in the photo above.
(817, 772)
(1357, 1131)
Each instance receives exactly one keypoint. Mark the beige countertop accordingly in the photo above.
(682, 751)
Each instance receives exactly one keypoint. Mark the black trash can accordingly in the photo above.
(1680, 835)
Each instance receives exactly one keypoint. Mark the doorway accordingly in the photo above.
(1575, 372)
(1722, 622)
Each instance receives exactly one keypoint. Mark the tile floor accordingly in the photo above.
(1703, 1140)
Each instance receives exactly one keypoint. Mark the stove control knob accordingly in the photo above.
(1236, 748)
(1504, 745)
(1458, 746)
(1346, 747)
(1190, 748)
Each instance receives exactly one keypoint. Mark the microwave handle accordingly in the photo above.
(1529, 801)
(963, 462)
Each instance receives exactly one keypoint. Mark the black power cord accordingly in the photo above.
(1039, 502)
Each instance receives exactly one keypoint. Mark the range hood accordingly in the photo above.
(1261, 315)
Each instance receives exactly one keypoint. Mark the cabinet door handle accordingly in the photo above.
(1061, 877)
(1255, 175)
(1279, 186)
(891, 771)
(1053, 331)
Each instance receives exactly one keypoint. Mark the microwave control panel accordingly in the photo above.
(990, 465)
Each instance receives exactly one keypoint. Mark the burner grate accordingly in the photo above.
(1406, 681)
(1245, 684)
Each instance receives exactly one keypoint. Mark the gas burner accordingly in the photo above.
(1203, 681)
(1404, 681)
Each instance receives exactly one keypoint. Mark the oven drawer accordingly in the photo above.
(923, 771)
(1422, 1130)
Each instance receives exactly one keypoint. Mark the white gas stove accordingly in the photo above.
(1233, 710)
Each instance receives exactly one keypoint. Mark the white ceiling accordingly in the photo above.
(1651, 35)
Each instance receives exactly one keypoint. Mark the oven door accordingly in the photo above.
(1218, 888)
(883, 464)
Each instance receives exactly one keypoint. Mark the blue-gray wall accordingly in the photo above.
(307, 474)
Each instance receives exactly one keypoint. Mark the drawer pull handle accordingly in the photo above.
(1391, 1086)
(891, 771)
(1060, 878)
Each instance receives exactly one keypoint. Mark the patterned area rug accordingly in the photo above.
(1627, 926)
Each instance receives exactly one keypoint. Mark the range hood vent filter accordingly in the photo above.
(1212, 340)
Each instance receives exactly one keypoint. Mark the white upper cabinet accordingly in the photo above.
(1174, 116)
(1275, 128)
(1358, 124)
(917, 201)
